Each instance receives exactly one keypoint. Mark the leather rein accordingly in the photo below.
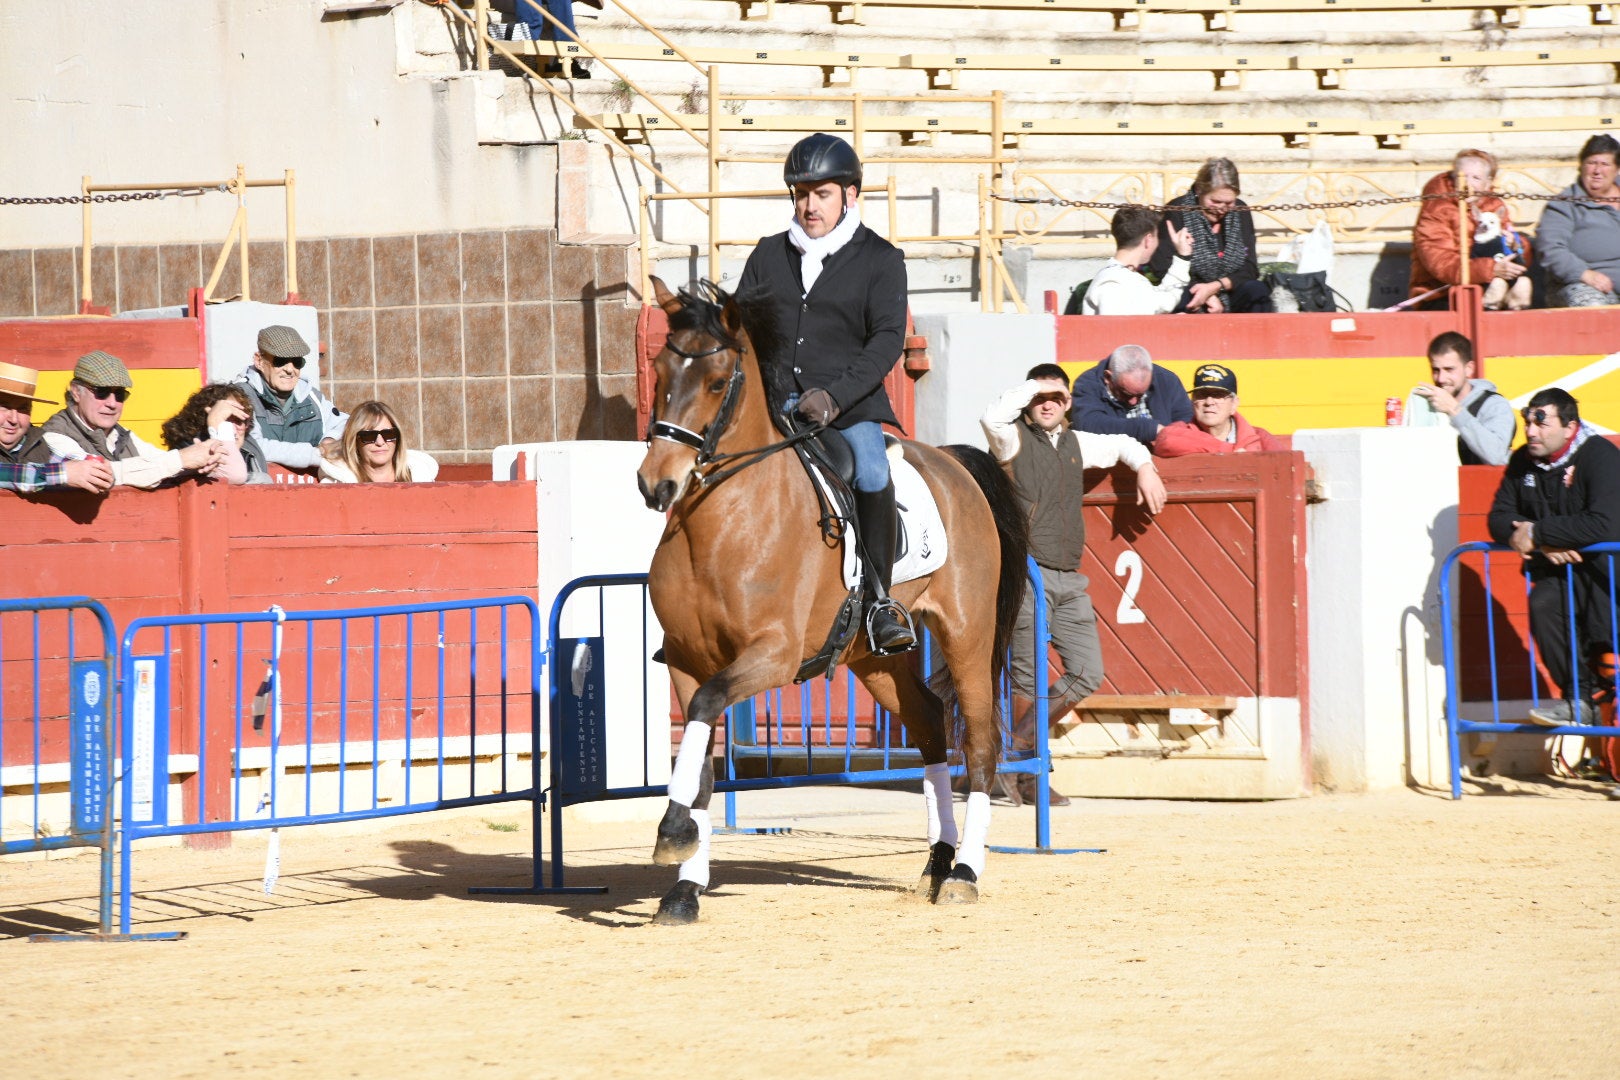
(707, 441)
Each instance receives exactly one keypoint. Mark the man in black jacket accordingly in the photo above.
(1560, 493)
(837, 294)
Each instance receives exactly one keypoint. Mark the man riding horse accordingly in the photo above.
(838, 294)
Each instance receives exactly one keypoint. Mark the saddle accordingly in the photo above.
(830, 462)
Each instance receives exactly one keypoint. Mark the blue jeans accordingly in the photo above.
(871, 463)
(539, 28)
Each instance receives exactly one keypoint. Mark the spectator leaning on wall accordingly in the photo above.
(293, 422)
(1216, 427)
(1483, 418)
(1128, 394)
(1559, 493)
(26, 461)
(88, 428)
(1027, 433)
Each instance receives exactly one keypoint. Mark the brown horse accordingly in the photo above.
(746, 588)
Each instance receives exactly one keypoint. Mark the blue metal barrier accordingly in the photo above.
(824, 753)
(68, 685)
(1583, 683)
(345, 689)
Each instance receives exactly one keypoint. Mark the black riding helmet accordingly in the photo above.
(820, 157)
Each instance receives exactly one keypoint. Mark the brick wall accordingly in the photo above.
(475, 338)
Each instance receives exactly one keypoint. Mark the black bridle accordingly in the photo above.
(707, 441)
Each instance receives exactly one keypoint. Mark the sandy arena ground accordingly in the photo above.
(1394, 935)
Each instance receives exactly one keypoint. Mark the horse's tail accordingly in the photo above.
(1012, 527)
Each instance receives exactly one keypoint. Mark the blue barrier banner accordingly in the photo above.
(149, 728)
(90, 683)
(582, 698)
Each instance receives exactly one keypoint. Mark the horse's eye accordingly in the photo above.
(718, 386)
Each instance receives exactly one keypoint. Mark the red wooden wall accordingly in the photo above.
(209, 549)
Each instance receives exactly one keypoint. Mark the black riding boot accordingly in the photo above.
(891, 631)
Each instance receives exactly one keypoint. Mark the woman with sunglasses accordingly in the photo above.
(1224, 272)
(373, 451)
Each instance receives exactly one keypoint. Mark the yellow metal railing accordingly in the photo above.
(236, 238)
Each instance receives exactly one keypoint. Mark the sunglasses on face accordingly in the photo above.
(296, 362)
(1207, 395)
(102, 393)
(387, 435)
(1538, 417)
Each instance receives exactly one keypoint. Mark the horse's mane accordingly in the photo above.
(701, 305)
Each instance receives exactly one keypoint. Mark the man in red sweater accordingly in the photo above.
(1216, 427)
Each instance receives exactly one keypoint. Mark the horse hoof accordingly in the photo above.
(961, 887)
(677, 837)
(940, 857)
(679, 907)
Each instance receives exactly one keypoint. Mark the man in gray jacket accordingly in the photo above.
(292, 421)
(1483, 418)
(1578, 240)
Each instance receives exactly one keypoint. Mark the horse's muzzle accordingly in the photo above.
(660, 496)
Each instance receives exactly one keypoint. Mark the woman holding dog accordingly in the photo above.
(1498, 256)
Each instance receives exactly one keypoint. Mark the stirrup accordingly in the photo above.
(901, 616)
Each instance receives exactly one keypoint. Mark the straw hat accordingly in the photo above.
(19, 381)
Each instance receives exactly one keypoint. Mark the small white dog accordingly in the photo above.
(1491, 241)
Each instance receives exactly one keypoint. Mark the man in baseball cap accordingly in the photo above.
(1216, 427)
(292, 420)
(89, 429)
(26, 462)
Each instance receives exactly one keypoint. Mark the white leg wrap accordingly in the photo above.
(696, 869)
(975, 831)
(688, 771)
(941, 808)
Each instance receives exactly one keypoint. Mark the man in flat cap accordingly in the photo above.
(292, 420)
(88, 428)
(26, 462)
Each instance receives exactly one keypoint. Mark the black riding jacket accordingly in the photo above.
(847, 334)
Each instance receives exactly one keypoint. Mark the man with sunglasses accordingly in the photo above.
(292, 421)
(89, 429)
(1128, 394)
(1560, 493)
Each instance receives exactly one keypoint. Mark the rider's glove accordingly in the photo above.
(818, 407)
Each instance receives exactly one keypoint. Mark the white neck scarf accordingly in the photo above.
(814, 250)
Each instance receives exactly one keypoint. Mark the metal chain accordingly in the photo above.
(1384, 200)
(125, 196)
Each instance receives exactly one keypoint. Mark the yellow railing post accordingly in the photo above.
(242, 239)
(714, 171)
(1464, 240)
(644, 226)
(84, 254)
(291, 255)
(480, 29)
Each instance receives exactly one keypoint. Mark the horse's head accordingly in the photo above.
(698, 390)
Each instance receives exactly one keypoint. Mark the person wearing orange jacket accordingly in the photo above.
(1436, 243)
(1216, 427)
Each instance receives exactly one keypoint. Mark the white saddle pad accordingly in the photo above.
(922, 531)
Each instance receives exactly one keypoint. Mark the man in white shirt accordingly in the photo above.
(1119, 287)
(89, 428)
(1029, 434)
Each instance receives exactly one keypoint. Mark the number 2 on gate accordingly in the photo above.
(1129, 566)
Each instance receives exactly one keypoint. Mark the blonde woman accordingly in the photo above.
(373, 451)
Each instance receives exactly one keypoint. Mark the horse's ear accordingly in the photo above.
(731, 316)
(666, 299)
